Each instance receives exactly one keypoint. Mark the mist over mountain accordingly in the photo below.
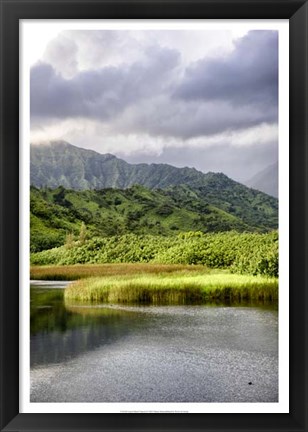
(266, 180)
(62, 164)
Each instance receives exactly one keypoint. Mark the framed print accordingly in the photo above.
(153, 218)
(117, 203)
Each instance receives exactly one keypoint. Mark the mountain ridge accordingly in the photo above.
(39, 179)
(70, 167)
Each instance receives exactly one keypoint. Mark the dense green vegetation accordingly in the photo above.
(57, 213)
(246, 253)
(183, 288)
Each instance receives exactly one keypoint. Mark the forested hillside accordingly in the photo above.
(57, 213)
(61, 164)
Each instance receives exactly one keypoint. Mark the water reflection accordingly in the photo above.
(60, 332)
(94, 353)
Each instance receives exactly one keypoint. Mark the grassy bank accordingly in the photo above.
(74, 272)
(177, 288)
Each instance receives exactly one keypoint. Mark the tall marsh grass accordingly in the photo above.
(184, 288)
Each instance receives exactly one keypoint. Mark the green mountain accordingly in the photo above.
(61, 164)
(100, 190)
(55, 213)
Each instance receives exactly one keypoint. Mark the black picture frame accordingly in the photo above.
(14, 10)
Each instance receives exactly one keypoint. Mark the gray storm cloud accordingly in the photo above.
(214, 95)
(87, 49)
(129, 84)
(248, 76)
(237, 163)
(164, 117)
(101, 93)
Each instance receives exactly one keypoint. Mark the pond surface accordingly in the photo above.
(210, 353)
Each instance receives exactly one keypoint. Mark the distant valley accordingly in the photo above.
(266, 180)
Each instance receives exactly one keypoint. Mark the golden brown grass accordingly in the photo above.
(80, 271)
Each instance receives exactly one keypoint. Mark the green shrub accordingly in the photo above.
(247, 253)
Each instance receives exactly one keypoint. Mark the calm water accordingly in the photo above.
(151, 354)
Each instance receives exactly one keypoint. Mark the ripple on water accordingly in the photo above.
(161, 354)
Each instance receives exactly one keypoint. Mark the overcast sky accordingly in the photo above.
(207, 99)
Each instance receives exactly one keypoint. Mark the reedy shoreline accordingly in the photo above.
(179, 288)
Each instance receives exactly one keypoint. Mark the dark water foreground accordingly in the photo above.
(210, 353)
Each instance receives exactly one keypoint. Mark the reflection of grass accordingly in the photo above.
(91, 311)
(73, 272)
(50, 313)
(177, 288)
(42, 297)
